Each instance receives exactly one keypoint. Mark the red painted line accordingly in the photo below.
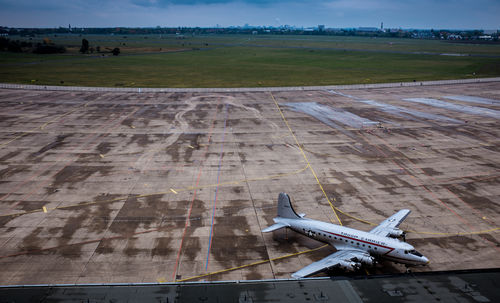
(216, 191)
(194, 194)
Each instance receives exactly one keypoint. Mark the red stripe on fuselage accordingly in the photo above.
(354, 239)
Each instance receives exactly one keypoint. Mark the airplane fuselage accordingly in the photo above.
(348, 238)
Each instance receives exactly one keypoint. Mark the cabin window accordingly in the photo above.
(375, 248)
(369, 246)
(335, 238)
(357, 243)
(352, 241)
(363, 245)
(346, 241)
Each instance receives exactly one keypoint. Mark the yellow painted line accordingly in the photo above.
(15, 138)
(190, 146)
(305, 158)
(173, 190)
(251, 264)
(161, 280)
(102, 156)
(131, 126)
(44, 209)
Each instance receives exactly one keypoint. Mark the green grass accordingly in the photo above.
(288, 61)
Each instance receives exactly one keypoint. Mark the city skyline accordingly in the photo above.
(424, 14)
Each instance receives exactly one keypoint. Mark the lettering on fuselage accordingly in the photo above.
(346, 236)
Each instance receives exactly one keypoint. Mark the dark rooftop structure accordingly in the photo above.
(451, 286)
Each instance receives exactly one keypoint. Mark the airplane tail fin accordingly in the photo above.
(285, 209)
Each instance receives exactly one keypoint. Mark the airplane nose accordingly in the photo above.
(425, 260)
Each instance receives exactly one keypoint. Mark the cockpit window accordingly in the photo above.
(416, 253)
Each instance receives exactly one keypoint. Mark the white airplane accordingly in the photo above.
(354, 247)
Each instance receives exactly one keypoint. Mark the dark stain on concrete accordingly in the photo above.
(491, 239)
(181, 145)
(254, 275)
(12, 170)
(32, 242)
(430, 171)
(141, 139)
(58, 142)
(70, 227)
(465, 191)
(136, 212)
(331, 191)
(131, 250)
(372, 208)
(197, 212)
(232, 122)
(194, 142)
(6, 219)
(162, 247)
(106, 246)
(382, 180)
(104, 147)
(10, 155)
(128, 122)
(200, 112)
(73, 174)
(243, 157)
(32, 205)
(102, 211)
(230, 234)
(191, 247)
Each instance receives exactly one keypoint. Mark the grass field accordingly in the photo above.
(243, 60)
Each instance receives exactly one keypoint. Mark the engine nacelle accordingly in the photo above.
(368, 260)
(349, 266)
(396, 233)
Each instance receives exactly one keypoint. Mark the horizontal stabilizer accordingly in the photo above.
(274, 227)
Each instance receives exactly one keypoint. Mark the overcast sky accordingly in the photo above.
(456, 14)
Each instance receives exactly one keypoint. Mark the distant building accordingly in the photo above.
(454, 37)
(321, 28)
(367, 29)
(485, 37)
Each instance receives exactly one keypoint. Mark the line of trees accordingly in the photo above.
(283, 30)
(86, 48)
(17, 46)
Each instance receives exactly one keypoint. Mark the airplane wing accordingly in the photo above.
(388, 227)
(348, 259)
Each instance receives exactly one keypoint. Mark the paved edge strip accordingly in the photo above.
(242, 89)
